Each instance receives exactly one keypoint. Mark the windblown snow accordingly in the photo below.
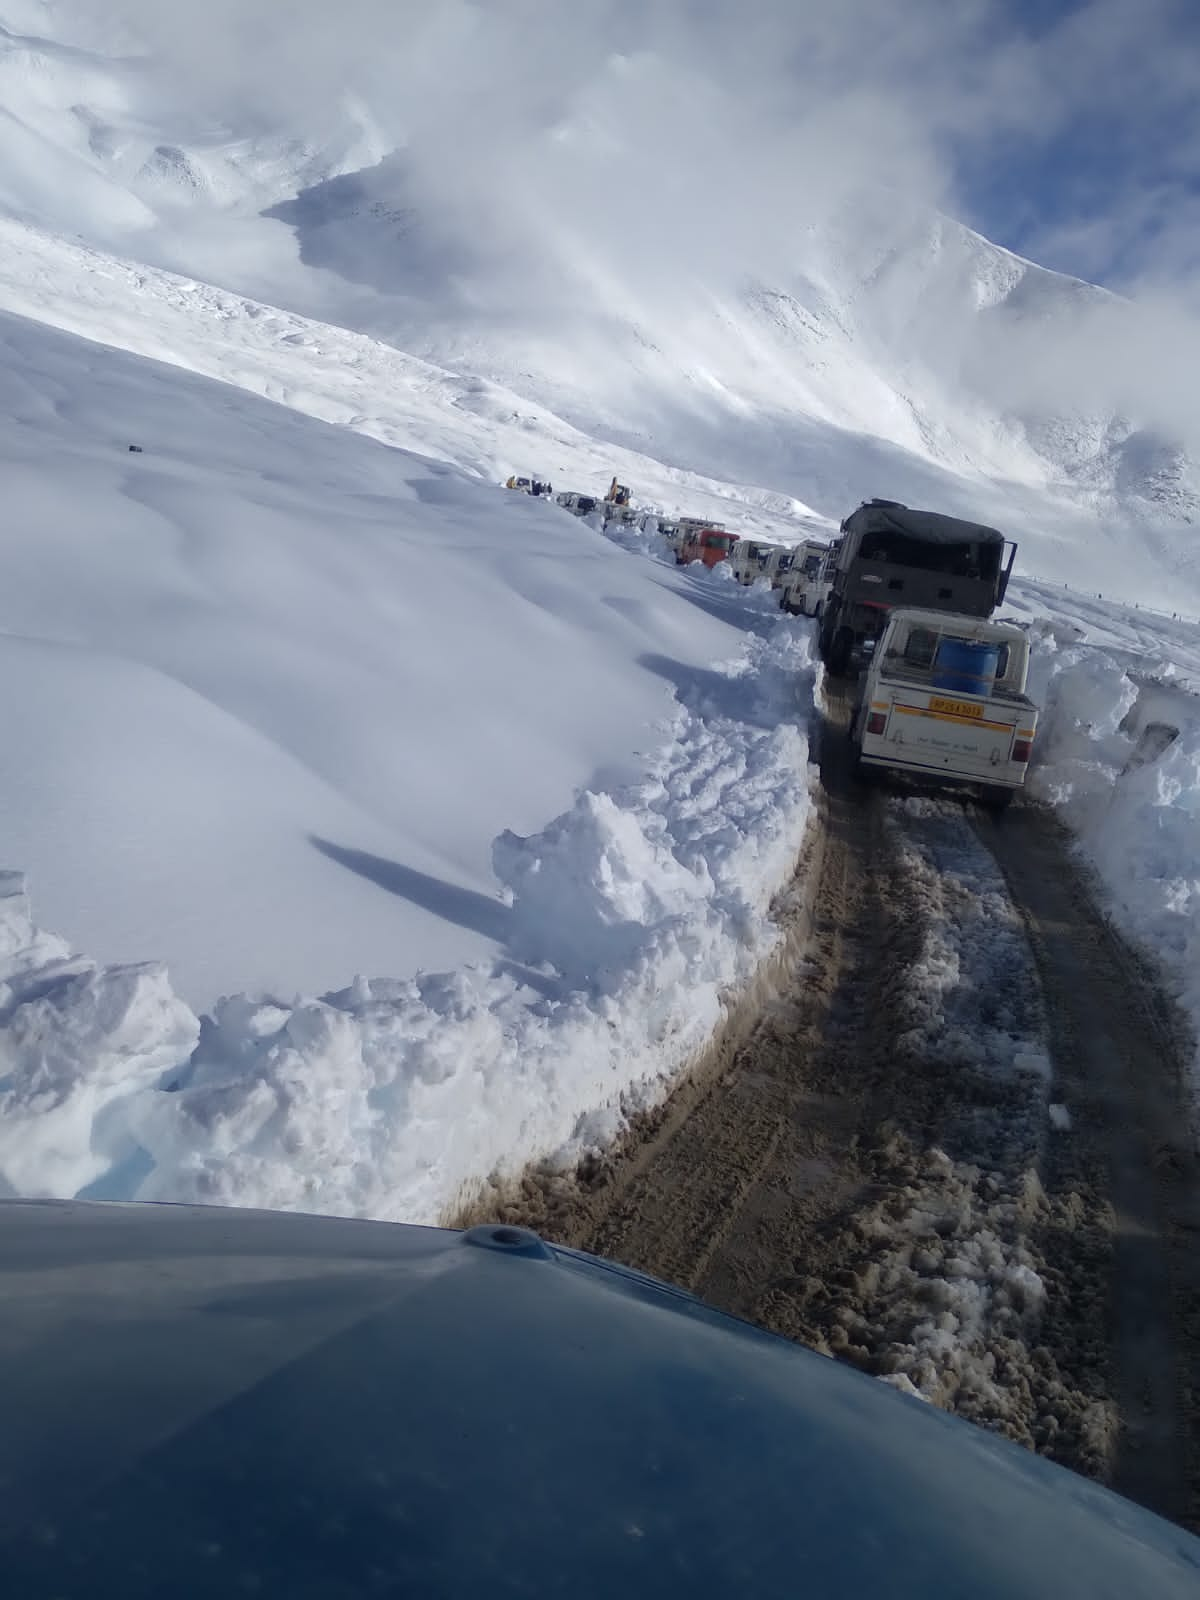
(412, 829)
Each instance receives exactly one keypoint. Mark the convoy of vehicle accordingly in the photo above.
(907, 596)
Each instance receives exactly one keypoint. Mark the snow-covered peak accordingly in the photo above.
(625, 239)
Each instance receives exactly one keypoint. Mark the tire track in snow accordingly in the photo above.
(867, 1164)
(1119, 1057)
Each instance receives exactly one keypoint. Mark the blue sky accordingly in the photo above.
(1094, 165)
(1068, 130)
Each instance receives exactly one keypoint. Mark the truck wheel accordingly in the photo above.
(840, 650)
(826, 631)
(859, 771)
(998, 799)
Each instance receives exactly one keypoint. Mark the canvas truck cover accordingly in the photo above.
(930, 526)
(894, 555)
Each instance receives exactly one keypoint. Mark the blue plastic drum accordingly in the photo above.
(965, 667)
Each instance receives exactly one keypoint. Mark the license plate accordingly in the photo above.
(956, 708)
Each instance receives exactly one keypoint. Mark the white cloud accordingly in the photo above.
(696, 138)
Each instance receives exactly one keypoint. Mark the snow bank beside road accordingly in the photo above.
(77, 1043)
(1118, 756)
(628, 919)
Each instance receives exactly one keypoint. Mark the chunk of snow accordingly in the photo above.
(79, 1044)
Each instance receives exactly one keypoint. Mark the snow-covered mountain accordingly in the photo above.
(813, 338)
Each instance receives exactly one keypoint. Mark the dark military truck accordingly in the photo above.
(890, 556)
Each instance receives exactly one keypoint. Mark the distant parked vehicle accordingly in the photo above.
(695, 524)
(627, 516)
(893, 556)
(780, 568)
(808, 582)
(533, 486)
(709, 545)
(579, 505)
(944, 701)
(753, 559)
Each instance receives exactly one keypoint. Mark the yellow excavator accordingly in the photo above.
(618, 494)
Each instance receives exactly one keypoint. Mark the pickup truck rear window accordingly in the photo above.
(920, 648)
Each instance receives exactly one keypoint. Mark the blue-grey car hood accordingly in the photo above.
(220, 1403)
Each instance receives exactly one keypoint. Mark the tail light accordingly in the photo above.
(1022, 749)
(877, 722)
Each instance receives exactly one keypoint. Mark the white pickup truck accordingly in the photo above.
(944, 701)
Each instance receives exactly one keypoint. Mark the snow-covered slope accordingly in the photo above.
(818, 345)
(275, 687)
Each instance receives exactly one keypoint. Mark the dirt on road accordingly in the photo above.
(944, 1143)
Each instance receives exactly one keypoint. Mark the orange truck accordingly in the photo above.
(710, 545)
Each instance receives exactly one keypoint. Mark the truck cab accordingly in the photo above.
(891, 555)
(944, 701)
(709, 545)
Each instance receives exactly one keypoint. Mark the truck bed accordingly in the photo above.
(915, 678)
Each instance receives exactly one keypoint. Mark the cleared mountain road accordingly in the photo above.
(867, 1161)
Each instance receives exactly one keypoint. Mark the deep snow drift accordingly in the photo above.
(1119, 758)
(626, 923)
(280, 687)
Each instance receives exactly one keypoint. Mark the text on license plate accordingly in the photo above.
(955, 708)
